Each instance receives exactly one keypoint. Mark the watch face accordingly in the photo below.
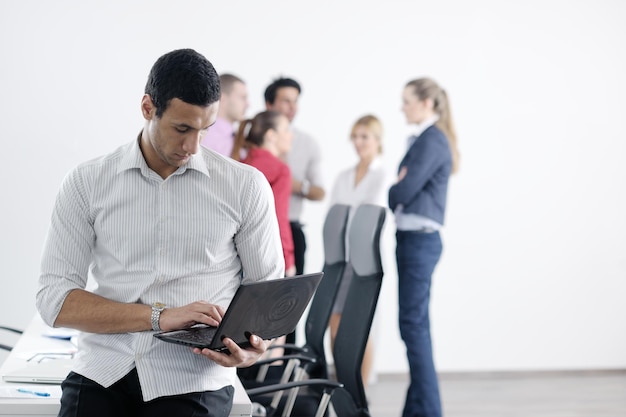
(158, 306)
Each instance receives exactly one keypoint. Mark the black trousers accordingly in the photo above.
(83, 397)
(299, 247)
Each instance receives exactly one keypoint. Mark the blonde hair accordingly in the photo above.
(373, 124)
(427, 88)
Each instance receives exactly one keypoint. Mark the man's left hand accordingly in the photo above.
(238, 357)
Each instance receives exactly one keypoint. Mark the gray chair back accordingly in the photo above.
(358, 312)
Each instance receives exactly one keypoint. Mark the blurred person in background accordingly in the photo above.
(418, 200)
(232, 110)
(365, 183)
(304, 160)
(264, 139)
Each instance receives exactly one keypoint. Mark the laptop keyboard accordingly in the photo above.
(201, 335)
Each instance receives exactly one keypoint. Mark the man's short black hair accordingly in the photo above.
(270, 91)
(184, 74)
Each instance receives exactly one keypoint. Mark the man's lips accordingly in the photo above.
(182, 157)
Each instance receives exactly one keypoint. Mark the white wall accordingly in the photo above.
(534, 265)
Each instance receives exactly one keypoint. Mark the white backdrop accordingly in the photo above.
(534, 265)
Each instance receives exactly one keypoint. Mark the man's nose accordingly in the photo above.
(191, 144)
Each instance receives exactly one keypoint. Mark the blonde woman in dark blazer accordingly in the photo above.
(418, 200)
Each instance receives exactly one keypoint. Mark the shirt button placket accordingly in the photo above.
(162, 241)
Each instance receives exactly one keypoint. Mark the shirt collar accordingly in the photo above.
(376, 162)
(421, 127)
(133, 159)
(196, 162)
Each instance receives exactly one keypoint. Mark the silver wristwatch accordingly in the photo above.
(157, 308)
(305, 187)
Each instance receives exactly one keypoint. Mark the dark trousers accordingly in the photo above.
(83, 397)
(299, 247)
(417, 255)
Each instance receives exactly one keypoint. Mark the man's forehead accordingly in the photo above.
(292, 91)
(192, 115)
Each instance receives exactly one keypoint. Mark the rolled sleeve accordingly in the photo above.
(258, 239)
(67, 250)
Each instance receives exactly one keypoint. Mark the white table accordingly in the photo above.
(33, 341)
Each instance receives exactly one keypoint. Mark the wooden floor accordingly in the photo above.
(523, 394)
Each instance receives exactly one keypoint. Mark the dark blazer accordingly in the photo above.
(424, 189)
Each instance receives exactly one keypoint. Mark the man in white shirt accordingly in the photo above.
(304, 161)
(232, 110)
(167, 230)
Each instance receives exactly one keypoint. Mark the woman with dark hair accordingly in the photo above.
(418, 200)
(264, 139)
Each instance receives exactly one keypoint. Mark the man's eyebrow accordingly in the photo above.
(185, 125)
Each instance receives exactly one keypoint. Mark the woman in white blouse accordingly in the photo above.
(365, 183)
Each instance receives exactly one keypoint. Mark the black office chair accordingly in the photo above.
(9, 329)
(310, 358)
(347, 393)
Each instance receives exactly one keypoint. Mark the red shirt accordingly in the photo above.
(279, 176)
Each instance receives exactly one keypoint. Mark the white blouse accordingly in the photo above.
(372, 189)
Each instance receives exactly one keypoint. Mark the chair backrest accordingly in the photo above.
(334, 237)
(359, 309)
(9, 329)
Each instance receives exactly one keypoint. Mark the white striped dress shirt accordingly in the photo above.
(194, 236)
(304, 161)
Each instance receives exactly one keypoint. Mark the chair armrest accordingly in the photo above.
(269, 361)
(11, 329)
(292, 388)
(327, 383)
(292, 362)
(289, 346)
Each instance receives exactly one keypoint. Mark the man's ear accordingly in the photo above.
(147, 107)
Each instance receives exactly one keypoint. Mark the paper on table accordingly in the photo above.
(31, 356)
(12, 392)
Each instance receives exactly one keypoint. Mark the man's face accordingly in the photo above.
(235, 103)
(169, 142)
(286, 102)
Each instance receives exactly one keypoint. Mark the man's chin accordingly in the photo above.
(178, 161)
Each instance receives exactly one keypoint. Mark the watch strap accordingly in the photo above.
(155, 318)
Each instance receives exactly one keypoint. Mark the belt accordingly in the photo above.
(422, 230)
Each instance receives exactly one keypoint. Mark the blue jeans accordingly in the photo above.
(417, 255)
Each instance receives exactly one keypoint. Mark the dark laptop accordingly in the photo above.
(268, 309)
